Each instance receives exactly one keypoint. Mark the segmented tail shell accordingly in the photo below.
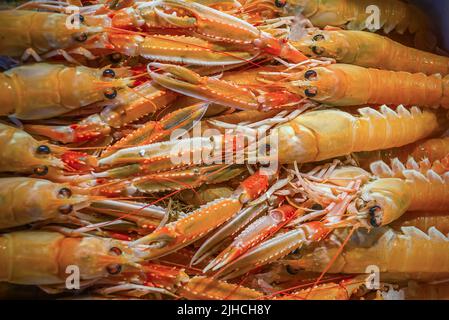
(389, 128)
(410, 253)
(428, 184)
(397, 169)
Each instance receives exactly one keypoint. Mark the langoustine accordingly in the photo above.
(415, 187)
(24, 154)
(76, 87)
(409, 253)
(143, 29)
(42, 258)
(350, 85)
(30, 200)
(370, 50)
(338, 84)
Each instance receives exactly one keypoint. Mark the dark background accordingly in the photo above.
(439, 12)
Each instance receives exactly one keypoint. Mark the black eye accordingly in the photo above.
(110, 93)
(80, 37)
(310, 75)
(80, 17)
(115, 57)
(317, 50)
(41, 171)
(311, 92)
(318, 37)
(114, 268)
(292, 270)
(108, 73)
(65, 193)
(317, 206)
(375, 216)
(115, 251)
(280, 3)
(43, 149)
(66, 209)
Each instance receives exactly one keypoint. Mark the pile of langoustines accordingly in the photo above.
(223, 149)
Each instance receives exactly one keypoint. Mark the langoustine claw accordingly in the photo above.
(199, 223)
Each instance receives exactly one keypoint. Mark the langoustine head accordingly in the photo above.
(50, 258)
(305, 7)
(319, 83)
(23, 154)
(50, 30)
(27, 200)
(382, 201)
(97, 257)
(323, 43)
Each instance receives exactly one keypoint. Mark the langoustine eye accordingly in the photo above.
(375, 213)
(280, 3)
(318, 37)
(41, 170)
(114, 269)
(43, 149)
(311, 75)
(311, 92)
